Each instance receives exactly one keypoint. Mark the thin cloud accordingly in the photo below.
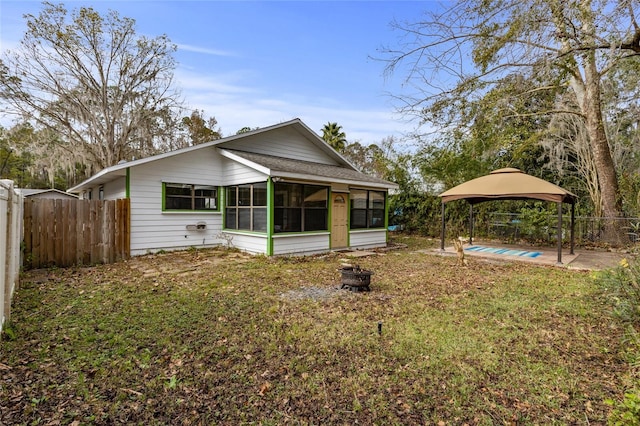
(205, 50)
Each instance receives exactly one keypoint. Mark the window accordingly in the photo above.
(300, 208)
(246, 207)
(367, 209)
(180, 196)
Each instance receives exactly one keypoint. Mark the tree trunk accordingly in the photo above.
(607, 177)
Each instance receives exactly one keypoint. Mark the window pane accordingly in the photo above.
(377, 218)
(205, 203)
(260, 220)
(231, 196)
(288, 195)
(315, 219)
(204, 191)
(376, 200)
(177, 189)
(315, 196)
(287, 220)
(177, 203)
(358, 218)
(358, 199)
(230, 219)
(244, 195)
(244, 219)
(260, 194)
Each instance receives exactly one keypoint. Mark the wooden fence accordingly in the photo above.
(75, 232)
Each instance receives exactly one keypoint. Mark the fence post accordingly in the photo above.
(11, 206)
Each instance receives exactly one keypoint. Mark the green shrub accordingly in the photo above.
(623, 286)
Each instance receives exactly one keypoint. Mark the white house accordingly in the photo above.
(275, 190)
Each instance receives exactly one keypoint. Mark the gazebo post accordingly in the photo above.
(573, 214)
(442, 229)
(559, 233)
(470, 223)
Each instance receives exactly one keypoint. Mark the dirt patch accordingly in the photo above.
(313, 293)
(184, 263)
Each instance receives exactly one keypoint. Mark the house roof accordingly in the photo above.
(120, 169)
(286, 168)
(508, 184)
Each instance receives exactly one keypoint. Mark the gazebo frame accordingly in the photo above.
(510, 184)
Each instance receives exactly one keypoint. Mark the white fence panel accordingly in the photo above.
(11, 229)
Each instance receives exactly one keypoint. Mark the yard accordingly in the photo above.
(218, 337)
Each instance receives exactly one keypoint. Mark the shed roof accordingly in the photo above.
(508, 184)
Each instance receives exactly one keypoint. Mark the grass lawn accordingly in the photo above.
(218, 337)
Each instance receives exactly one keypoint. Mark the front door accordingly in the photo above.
(339, 228)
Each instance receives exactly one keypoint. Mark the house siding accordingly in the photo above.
(238, 174)
(114, 190)
(364, 239)
(301, 244)
(251, 243)
(151, 228)
(286, 143)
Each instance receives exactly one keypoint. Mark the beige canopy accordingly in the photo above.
(510, 184)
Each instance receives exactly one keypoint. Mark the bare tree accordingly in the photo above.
(455, 56)
(567, 145)
(104, 91)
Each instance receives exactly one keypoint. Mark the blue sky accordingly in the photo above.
(260, 63)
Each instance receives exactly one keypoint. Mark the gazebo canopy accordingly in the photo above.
(508, 184)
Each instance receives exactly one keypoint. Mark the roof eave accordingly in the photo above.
(316, 178)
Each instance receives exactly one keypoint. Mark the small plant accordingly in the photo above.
(9, 332)
(227, 238)
(173, 382)
(627, 412)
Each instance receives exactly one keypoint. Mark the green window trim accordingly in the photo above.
(127, 185)
(190, 197)
(270, 224)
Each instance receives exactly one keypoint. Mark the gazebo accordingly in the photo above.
(510, 184)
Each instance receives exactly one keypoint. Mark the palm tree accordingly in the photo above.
(334, 136)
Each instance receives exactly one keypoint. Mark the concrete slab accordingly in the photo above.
(359, 253)
(580, 260)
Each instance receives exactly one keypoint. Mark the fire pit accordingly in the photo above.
(356, 279)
